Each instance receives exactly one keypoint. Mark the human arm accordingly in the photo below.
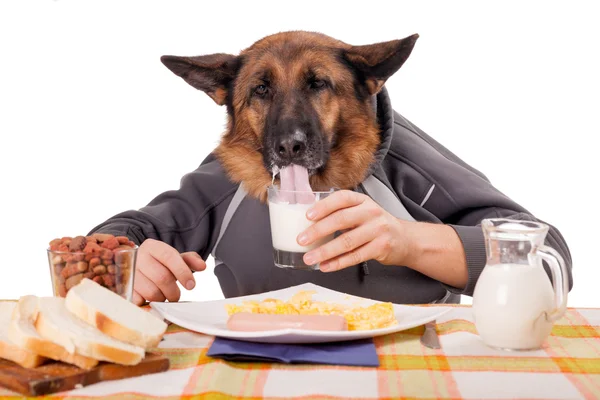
(175, 232)
(437, 187)
(371, 233)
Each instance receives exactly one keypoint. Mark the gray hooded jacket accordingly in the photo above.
(414, 177)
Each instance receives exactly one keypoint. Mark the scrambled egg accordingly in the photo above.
(376, 316)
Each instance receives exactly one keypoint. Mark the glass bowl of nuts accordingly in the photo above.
(106, 259)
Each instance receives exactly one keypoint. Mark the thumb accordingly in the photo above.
(194, 261)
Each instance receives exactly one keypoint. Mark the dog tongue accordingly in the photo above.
(295, 178)
(286, 176)
(301, 183)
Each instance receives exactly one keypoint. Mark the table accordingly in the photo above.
(568, 367)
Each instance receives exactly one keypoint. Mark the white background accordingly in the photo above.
(91, 123)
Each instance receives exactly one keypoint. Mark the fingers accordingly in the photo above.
(170, 258)
(137, 299)
(334, 202)
(160, 266)
(162, 278)
(346, 218)
(146, 289)
(345, 243)
(363, 253)
(194, 261)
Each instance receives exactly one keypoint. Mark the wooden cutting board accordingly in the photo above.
(54, 377)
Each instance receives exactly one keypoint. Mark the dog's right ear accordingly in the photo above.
(211, 73)
(377, 62)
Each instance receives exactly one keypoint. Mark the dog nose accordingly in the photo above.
(291, 146)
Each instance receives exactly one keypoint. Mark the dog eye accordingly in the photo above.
(317, 84)
(261, 90)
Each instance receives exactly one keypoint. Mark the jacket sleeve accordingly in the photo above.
(187, 218)
(470, 233)
(462, 197)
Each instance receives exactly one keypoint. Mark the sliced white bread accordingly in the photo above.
(114, 315)
(23, 333)
(8, 349)
(55, 323)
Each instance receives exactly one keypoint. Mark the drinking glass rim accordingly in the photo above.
(276, 188)
(58, 252)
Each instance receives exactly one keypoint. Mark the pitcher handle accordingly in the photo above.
(560, 278)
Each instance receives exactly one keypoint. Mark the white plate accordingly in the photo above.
(210, 317)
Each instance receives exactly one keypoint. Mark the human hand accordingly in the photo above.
(370, 232)
(159, 267)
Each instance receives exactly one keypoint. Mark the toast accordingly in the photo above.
(56, 324)
(113, 315)
(22, 332)
(10, 350)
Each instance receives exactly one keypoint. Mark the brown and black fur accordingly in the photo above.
(297, 81)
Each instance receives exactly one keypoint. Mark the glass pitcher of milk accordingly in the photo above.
(514, 303)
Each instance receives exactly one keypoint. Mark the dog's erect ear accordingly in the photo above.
(377, 62)
(211, 73)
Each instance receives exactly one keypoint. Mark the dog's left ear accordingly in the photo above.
(211, 73)
(377, 62)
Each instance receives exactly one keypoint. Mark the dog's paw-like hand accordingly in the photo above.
(159, 267)
(369, 232)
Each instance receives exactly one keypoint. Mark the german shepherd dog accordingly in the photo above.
(299, 98)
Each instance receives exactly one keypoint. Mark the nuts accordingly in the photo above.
(122, 239)
(78, 257)
(104, 258)
(69, 270)
(101, 237)
(77, 244)
(91, 251)
(122, 258)
(109, 280)
(54, 244)
(92, 248)
(94, 262)
(91, 239)
(73, 280)
(111, 243)
(89, 274)
(58, 268)
(82, 266)
(99, 270)
(106, 254)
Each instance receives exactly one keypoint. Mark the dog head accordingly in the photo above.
(297, 98)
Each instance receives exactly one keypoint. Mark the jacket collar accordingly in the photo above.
(385, 119)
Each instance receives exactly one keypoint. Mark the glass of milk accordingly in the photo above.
(287, 213)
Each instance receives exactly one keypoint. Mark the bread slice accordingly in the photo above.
(23, 333)
(57, 324)
(114, 315)
(9, 350)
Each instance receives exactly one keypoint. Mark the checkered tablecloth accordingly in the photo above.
(568, 367)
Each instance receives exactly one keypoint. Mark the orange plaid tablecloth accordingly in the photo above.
(568, 367)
